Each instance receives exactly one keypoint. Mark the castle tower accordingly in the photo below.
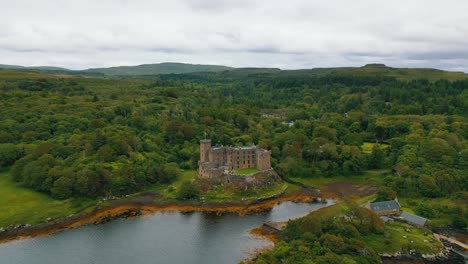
(263, 159)
(205, 149)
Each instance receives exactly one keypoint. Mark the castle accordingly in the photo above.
(218, 160)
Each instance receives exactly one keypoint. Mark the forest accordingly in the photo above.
(82, 136)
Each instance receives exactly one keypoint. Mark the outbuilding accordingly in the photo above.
(391, 207)
(415, 220)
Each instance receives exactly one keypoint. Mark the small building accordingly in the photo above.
(415, 220)
(391, 207)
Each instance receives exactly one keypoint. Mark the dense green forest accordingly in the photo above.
(81, 136)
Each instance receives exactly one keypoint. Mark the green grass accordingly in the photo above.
(367, 177)
(247, 171)
(367, 147)
(219, 194)
(394, 240)
(170, 191)
(21, 205)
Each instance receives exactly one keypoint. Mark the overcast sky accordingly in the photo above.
(288, 34)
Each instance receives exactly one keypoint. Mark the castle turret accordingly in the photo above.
(205, 148)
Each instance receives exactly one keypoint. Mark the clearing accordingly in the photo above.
(20, 205)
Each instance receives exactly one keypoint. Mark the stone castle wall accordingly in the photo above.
(241, 182)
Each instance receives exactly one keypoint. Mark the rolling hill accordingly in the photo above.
(160, 68)
(218, 71)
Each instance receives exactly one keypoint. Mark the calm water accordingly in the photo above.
(168, 237)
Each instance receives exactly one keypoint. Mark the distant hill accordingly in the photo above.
(41, 68)
(405, 73)
(160, 68)
(151, 71)
(371, 70)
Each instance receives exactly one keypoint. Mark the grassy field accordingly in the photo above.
(367, 177)
(170, 191)
(21, 205)
(396, 239)
(219, 194)
(247, 171)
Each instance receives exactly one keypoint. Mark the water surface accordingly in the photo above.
(164, 237)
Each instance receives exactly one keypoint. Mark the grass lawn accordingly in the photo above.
(21, 205)
(396, 239)
(219, 194)
(170, 191)
(367, 147)
(247, 171)
(367, 177)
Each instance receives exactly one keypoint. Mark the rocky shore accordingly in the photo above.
(143, 205)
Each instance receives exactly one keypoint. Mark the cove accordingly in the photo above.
(163, 237)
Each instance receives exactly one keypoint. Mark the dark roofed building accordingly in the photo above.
(414, 219)
(391, 207)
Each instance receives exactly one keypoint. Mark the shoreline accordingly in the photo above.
(274, 236)
(129, 209)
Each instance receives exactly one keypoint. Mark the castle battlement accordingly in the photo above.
(218, 160)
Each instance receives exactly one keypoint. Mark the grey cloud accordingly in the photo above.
(219, 5)
(439, 55)
(296, 34)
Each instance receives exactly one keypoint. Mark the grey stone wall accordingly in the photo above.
(241, 182)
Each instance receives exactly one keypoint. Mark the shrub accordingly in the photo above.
(188, 191)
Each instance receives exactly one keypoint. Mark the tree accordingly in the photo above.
(188, 191)
(385, 194)
(9, 153)
(106, 153)
(377, 157)
(63, 188)
(325, 132)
